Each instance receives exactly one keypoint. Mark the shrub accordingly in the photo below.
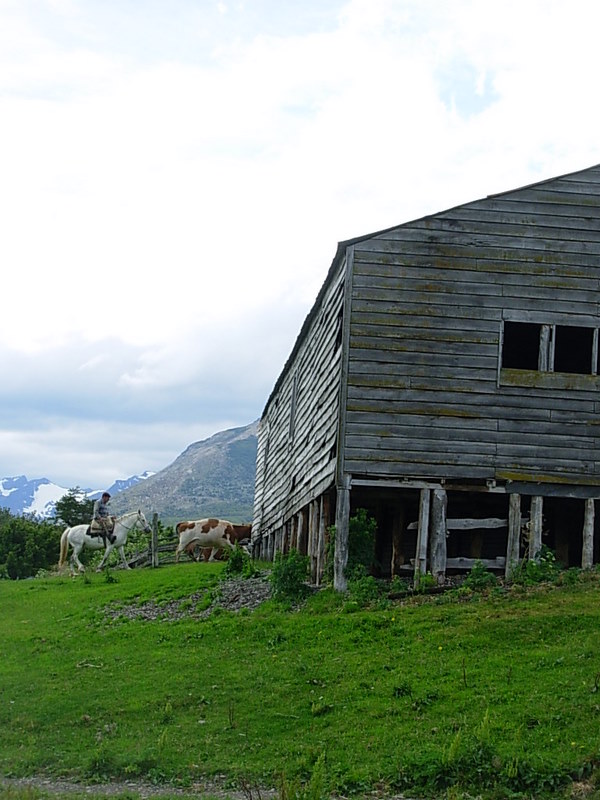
(288, 577)
(239, 563)
(479, 578)
(545, 569)
(362, 529)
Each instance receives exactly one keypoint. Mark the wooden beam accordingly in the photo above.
(438, 532)
(323, 514)
(514, 534)
(535, 530)
(469, 524)
(342, 521)
(155, 561)
(587, 553)
(422, 535)
(301, 534)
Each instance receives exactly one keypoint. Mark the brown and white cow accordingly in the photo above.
(241, 535)
(210, 533)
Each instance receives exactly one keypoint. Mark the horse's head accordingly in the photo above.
(143, 522)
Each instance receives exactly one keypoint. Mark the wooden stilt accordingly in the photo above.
(422, 534)
(587, 553)
(514, 534)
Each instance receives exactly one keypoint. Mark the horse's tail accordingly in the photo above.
(64, 546)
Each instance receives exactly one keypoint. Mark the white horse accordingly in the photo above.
(78, 537)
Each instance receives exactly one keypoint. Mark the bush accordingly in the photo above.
(239, 563)
(545, 569)
(480, 578)
(288, 577)
(362, 530)
(27, 546)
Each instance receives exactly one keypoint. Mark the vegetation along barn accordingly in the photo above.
(447, 380)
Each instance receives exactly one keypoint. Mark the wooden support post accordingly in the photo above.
(342, 522)
(437, 526)
(587, 553)
(313, 538)
(513, 545)
(422, 535)
(398, 522)
(154, 540)
(271, 546)
(294, 533)
(535, 529)
(301, 540)
(323, 516)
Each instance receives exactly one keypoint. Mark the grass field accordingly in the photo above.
(494, 694)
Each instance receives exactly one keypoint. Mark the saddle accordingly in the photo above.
(97, 530)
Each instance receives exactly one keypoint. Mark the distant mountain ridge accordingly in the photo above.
(38, 497)
(211, 478)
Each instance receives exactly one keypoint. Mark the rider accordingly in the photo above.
(103, 518)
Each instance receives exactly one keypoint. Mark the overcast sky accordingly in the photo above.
(175, 176)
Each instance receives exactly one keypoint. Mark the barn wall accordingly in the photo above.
(297, 437)
(426, 397)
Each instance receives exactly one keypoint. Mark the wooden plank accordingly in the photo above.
(469, 523)
(388, 259)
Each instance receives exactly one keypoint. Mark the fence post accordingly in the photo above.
(154, 548)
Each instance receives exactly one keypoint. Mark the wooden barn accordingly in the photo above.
(446, 380)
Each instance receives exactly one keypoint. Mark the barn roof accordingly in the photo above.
(343, 246)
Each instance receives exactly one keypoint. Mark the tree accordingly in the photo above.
(27, 546)
(74, 508)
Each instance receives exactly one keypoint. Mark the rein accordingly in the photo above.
(131, 527)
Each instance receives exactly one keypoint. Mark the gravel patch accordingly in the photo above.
(231, 595)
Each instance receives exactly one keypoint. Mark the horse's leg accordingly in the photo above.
(107, 552)
(75, 558)
(123, 559)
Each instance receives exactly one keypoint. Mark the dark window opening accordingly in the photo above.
(521, 348)
(573, 348)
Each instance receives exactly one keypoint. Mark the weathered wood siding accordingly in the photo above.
(297, 437)
(425, 395)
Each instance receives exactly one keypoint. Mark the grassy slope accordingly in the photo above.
(419, 695)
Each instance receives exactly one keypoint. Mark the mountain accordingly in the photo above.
(120, 485)
(211, 478)
(24, 497)
(37, 497)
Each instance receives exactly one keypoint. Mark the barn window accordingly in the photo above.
(573, 349)
(521, 345)
(550, 348)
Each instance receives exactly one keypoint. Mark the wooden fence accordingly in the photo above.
(156, 553)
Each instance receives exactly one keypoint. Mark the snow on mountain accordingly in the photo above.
(37, 497)
(24, 497)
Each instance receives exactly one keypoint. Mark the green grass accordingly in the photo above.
(496, 695)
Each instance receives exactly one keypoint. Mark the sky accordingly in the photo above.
(175, 176)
